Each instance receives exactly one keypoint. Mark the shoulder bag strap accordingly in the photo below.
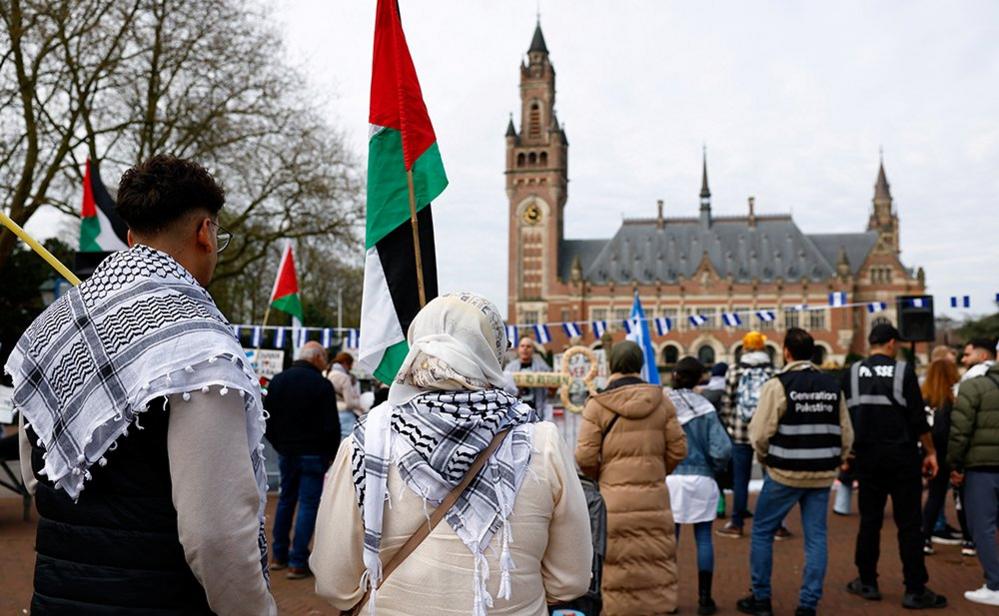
(424, 530)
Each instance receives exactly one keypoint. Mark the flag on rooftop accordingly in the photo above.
(402, 148)
(640, 335)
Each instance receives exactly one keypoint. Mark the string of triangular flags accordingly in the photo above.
(664, 325)
(350, 337)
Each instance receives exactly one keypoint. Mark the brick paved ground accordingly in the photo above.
(949, 573)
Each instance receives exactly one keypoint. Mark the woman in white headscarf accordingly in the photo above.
(519, 536)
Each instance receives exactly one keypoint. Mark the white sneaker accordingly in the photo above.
(983, 595)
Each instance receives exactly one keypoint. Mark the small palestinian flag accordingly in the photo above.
(285, 297)
(402, 142)
(102, 231)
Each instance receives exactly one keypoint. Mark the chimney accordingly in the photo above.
(752, 212)
(660, 222)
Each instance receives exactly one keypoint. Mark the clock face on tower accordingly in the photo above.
(532, 214)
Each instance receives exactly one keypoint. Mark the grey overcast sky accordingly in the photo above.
(793, 100)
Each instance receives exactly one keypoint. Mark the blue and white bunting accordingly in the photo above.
(236, 331)
(572, 330)
(697, 320)
(800, 307)
(731, 319)
(353, 339)
(767, 316)
(279, 338)
(302, 336)
(257, 335)
(874, 307)
(542, 334)
(663, 325)
(512, 335)
(599, 328)
(629, 326)
(327, 337)
(837, 299)
(963, 301)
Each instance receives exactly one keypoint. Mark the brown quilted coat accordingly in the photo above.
(642, 447)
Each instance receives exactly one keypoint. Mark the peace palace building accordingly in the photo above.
(682, 266)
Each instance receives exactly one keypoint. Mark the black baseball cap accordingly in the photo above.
(883, 333)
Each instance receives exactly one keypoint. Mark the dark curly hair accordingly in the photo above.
(160, 190)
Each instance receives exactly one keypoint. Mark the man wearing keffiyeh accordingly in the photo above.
(517, 538)
(142, 422)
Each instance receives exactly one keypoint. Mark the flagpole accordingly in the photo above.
(63, 270)
(416, 238)
(260, 339)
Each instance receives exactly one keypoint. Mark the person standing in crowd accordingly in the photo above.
(743, 386)
(938, 393)
(979, 356)
(973, 453)
(304, 429)
(889, 420)
(802, 433)
(693, 493)
(714, 392)
(168, 521)
(630, 440)
(348, 401)
(518, 537)
(528, 361)
(943, 352)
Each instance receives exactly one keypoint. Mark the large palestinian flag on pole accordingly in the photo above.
(402, 140)
(102, 231)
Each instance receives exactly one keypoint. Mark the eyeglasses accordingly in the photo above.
(222, 235)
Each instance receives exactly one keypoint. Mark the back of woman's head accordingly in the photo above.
(938, 388)
(687, 373)
(626, 357)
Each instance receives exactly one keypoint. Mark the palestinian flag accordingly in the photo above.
(102, 231)
(402, 141)
(285, 297)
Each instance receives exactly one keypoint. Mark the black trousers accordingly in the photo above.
(936, 499)
(903, 483)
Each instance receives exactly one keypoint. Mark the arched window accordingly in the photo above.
(671, 355)
(520, 159)
(706, 355)
(534, 120)
(543, 159)
(532, 159)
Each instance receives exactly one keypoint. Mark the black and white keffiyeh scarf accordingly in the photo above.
(433, 439)
(140, 329)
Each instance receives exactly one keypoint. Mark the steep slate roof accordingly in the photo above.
(774, 248)
(538, 41)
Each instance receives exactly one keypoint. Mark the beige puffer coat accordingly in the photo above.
(641, 448)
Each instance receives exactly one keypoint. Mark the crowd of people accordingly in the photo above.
(142, 426)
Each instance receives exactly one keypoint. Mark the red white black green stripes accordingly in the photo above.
(101, 230)
(402, 141)
(285, 296)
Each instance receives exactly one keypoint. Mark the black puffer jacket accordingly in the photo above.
(116, 551)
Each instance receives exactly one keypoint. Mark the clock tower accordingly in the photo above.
(536, 183)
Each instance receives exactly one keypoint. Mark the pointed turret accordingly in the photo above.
(881, 188)
(883, 219)
(511, 130)
(705, 191)
(538, 41)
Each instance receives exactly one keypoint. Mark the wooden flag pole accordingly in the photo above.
(416, 238)
(70, 276)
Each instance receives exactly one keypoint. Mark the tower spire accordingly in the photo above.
(882, 190)
(538, 40)
(705, 191)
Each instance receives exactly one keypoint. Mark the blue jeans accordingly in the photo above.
(742, 470)
(775, 501)
(981, 501)
(301, 483)
(705, 549)
(347, 421)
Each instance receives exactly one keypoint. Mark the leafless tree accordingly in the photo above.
(119, 80)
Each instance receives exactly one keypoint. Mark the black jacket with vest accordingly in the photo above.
(115, 551)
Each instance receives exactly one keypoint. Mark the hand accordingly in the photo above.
(845, 466)
(930, 466)
(956, 477)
